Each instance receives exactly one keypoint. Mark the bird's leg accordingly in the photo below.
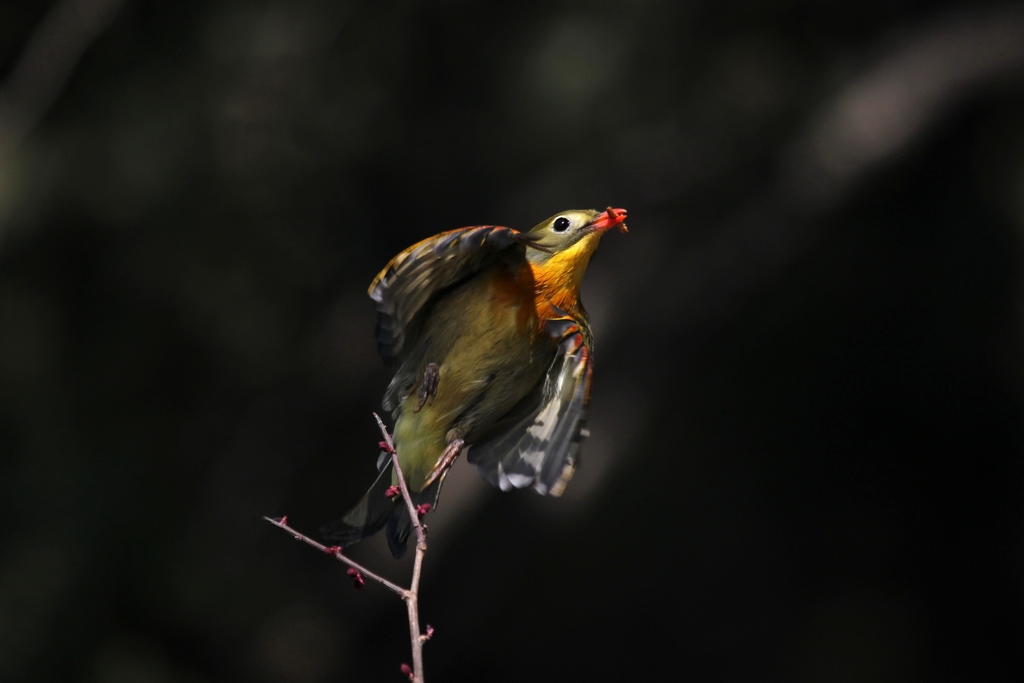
(428, 386)
(447, 459)
(450, 455)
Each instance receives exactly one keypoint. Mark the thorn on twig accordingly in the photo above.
(407, 670)
(393, 491)
(357, 577)
(333, 550)
(422, 510)
(428, 634)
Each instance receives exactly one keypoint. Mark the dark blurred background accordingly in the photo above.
(806, 450)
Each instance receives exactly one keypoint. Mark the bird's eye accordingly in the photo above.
(561, 224)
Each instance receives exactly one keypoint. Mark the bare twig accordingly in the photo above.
(412, 597)
(409, 595)
(336, 551)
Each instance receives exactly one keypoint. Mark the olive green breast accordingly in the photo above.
(485, 338)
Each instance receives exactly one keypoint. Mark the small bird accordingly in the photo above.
(493, 350)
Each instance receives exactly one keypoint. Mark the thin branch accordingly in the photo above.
(409, 595)
(282, 523)
(412, 597)
(421, 536)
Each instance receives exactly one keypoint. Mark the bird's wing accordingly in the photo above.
(542, 448)
(411, 279)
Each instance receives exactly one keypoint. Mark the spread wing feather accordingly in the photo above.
(542, 449)
(411, 279)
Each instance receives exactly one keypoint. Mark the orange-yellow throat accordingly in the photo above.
(557, 280)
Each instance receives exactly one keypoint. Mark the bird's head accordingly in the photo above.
(581, 228)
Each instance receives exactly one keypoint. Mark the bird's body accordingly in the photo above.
(478, 379)
(493, 348)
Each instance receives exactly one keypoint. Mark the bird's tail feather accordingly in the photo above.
(368, 516)
(400, 524)
(375, 511)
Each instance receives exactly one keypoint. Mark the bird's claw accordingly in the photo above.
(428, 386)
(450, 455)
(564, 328)
(447, 459)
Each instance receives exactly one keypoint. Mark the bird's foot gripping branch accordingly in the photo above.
(360, 574)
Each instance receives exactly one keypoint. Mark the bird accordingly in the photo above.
(493, 351)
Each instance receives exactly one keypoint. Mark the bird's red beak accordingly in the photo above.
(609, 219)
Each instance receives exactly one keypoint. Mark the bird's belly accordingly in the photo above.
(491, 351)
(484, 338)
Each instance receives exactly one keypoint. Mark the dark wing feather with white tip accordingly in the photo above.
(541, 449)
(415, 276)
